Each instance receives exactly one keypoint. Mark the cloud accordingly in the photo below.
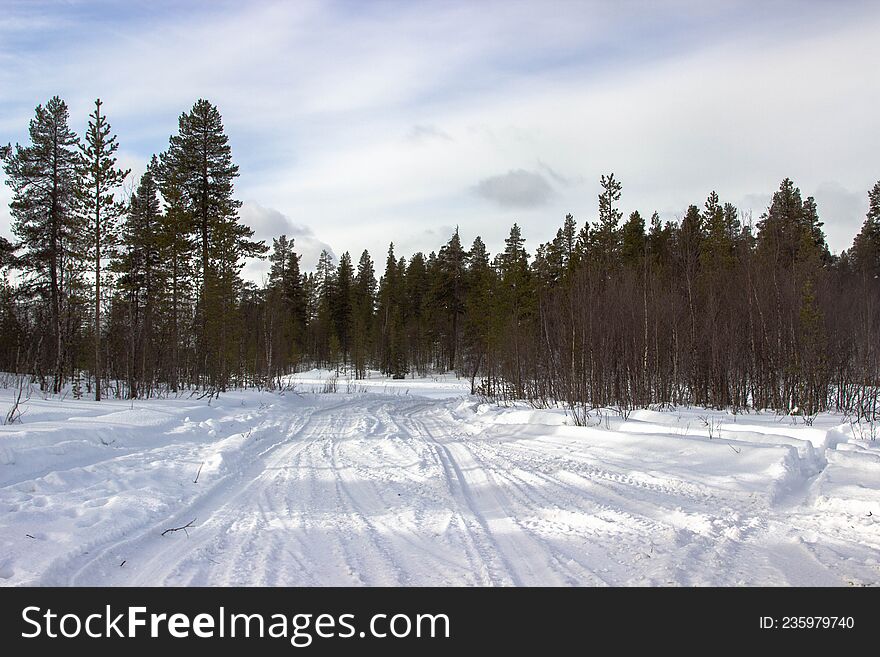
(752, 205)
(269, 223)
(517, 188)
(339, 112)
(424, 132)
(842, 210)
(558, 178)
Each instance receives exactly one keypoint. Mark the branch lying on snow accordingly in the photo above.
(196, 480)
(177, 529)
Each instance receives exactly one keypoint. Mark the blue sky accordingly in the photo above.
(358, 123)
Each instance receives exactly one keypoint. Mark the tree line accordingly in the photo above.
(143, 295)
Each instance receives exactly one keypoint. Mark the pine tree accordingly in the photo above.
(390, 319)
(45, 178)
(865, 250)
(399, 336)
(690, 242)
(568, 238)
(447, 296)
(200, 158)
(142, 274)
(177, 247)
(100, 179)
(605, 237)
(8, 257)
(514, 260)
(813, 228)
(325, 283)
(310, 294)
(417, 323)
(548, 264)
(632, 239)
(284, 308)
(515, 301)
(285, 278)
(479, 311)
(343, 304)
(279, 261)
(781, 228)
(364, 304)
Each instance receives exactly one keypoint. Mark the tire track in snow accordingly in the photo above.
(98, 563)
(524, 558)
(538, 478)
(305, 512)
(254, 528)
(481, 549)
(377, 490)
(366, 487)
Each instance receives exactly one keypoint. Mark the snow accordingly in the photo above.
(414, 482)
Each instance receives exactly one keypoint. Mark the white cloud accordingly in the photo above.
(375, 124)
(269, 223)
(422, 132)
(843, 211)
(516, 189)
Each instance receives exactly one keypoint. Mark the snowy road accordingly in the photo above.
(394, 489)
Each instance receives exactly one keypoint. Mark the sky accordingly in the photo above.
(358, 123)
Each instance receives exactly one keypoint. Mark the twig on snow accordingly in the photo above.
(178, 529)
(196, 480)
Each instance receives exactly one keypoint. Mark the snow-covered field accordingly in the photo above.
(415, 483)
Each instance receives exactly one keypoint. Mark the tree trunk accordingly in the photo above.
(98, 288)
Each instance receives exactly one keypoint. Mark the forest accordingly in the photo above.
(140, 294)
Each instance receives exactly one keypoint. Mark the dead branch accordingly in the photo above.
(196, 480)
(178, 529)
